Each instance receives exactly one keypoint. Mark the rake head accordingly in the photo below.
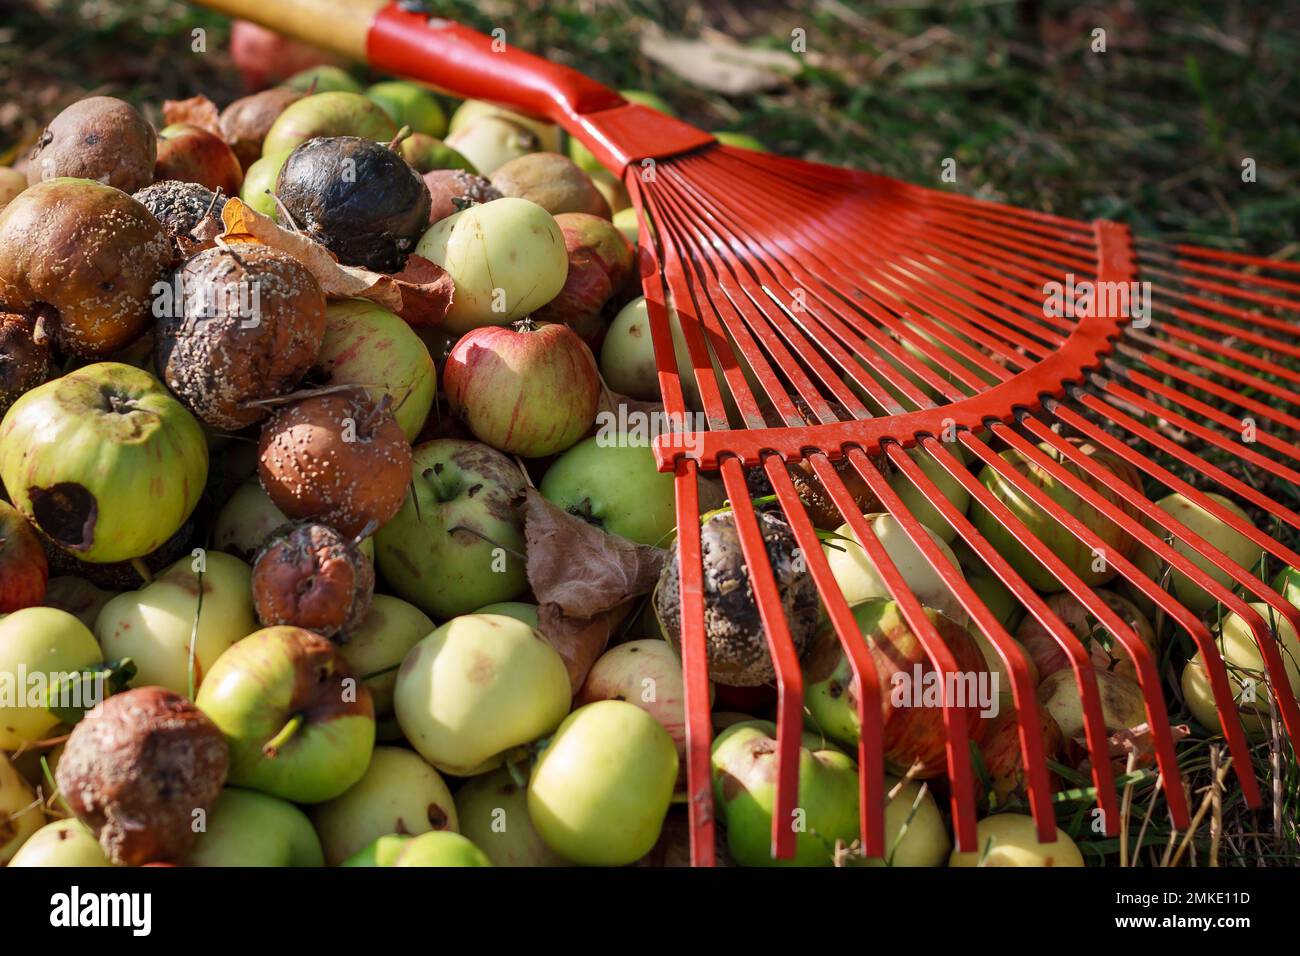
(900, 337)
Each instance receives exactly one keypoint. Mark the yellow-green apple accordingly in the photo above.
(915, 831)
(1000, 749)
(480, 685)
(744, 788)
(917, 503)
(603, 784)
(1239, 549)
(1011, 839)
(104, 461)
(529, 390)
(246, 828)
(20, 811)
(548, 134)
(648, 674)
(911, 688)
(493, 811)
(376, 649)
(258, 190)
(506, 257)
(158, 625)
(194, 155)
(24, 572)
(328, 114)
(246, 521)
(39, 648)
(1122, 704)
(78, 597)
(626, 221)
(63, 843)
(410, 104)
(1106, 652)
(1246, 672)
(457, 541)
(300, 725)
(490, 142)
(365, 344)
(440, 848)
(611, 480)
(627, 355)
(380, 852)
(519, 610)
(1093, 568)
(428, 153)
(323, 78)
(860, 581)
(399, 793)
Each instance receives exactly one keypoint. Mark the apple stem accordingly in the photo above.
(142, 569)
(526, 324)
(284, 211)
(402, 134)
(272, 747)
(495, 544)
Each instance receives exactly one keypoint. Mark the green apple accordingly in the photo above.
(519, 610)
(1045, 526)
(104, 461)
(456, 542)
(399, 793)
(493, 811)
(156, 625)
(38, 647)
(507, 258)
(915, 831)
(246, 521)
(410, 104)
(246, 828)
(490, 142)
(1011, 839)
(376, 648)
(382, 852)
(334, 113)
(1246, 672)
(63, 843)
(20, 811)
(999, 599)
(628, 222)
(612, 481)
(1237, 547)
(323, 79)
(480, 685)
(919, 505)
(258, 189)
(440, 848)
(299, 724)
(860, 581)
(996, 667)
(367, 345)
(548, 134)
(627, 355)
(744, 791)
(603, 784)
(427, 153)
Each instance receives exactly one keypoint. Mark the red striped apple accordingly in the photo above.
(530, 390)
(1106, 651)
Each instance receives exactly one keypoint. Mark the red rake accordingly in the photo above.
(834, 315)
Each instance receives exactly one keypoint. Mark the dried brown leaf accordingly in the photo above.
(427, 289)
(579, 640)
(196, 111)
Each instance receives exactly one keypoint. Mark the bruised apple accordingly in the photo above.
(1122, 704)
(1011, 839)
(377, 647)
(195, 155)
(1107, 653)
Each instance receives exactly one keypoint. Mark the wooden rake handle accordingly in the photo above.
(448, 55)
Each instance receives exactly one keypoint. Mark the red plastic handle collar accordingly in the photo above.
(465, 62)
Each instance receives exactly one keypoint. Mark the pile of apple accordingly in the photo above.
(301, 468)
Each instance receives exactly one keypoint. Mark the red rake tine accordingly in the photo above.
(1023, 694)
(871, 775)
